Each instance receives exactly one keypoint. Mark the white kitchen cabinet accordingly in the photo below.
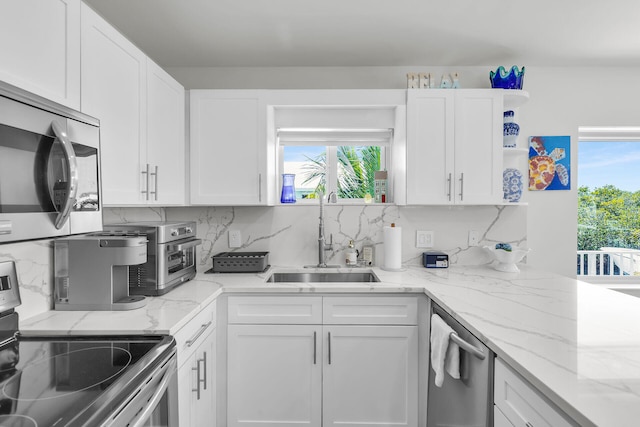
(165, 148)
(40, 48)
(310, 374)
(274, 375)
(521, 404)
(454, 146)
(228, 147)
(141, 113)
(196, 344)
(499, 420)
(370, 376)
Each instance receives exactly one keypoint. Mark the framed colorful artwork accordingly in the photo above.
(549, 163)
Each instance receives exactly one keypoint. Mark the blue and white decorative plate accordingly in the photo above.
(512, 184)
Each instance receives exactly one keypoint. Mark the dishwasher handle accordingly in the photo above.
(469, 348)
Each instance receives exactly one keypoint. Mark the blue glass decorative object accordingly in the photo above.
(512, 184)
(288, 188)
(501, 79)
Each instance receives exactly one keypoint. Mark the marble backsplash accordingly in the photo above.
(290, 235)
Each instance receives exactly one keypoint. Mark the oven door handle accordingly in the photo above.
(182, 246)
(145, 413)
(72, 188)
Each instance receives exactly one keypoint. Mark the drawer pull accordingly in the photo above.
(197, 335)
(329, 339)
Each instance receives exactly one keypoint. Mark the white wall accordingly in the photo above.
(561, 100)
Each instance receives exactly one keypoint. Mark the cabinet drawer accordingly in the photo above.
(193, 333)
(275, 310)
(523, 405)
(370, 310)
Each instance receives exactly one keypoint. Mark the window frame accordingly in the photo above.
(605, 134)
(332, 168)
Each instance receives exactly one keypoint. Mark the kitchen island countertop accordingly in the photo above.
(579, 344)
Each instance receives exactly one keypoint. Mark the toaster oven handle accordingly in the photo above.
(186, 245)
(72, 187)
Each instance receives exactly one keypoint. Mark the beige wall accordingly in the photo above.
(562, 99)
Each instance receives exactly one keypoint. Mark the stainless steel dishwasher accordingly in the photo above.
(464, 402)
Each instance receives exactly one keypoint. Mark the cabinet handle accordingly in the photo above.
(155, 181)
(197, 369)
(197, 335)
(449, 187)
(461, 185)
(314, 346)
(329, 335)
(204, 370)
(146, 190)
(260, 187)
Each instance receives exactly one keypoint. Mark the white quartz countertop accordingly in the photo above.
(577, 343)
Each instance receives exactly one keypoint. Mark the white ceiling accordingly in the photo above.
(227, 33)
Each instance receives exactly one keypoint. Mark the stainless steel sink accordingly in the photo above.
(324, 277)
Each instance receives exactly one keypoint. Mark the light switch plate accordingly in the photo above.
(424, 239)
(235, 238)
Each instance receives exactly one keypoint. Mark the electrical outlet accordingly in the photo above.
(235, 238)
(474, 237)
(424, 239)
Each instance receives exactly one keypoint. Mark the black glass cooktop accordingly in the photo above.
(55, 381)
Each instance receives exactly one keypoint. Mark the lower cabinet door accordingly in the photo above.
(274, 375)
(499, 420)
(196, 383)
(370, 376)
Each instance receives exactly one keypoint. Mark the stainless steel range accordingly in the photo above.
(82, 381)
(171, 255)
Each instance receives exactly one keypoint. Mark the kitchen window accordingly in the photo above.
(329, 160)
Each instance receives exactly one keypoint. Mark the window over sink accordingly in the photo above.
(343, 161)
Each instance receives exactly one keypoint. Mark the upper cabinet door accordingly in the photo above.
(478, 147)
(165, 146)
(454, 146)
(114, 91)
(40, 48)
(430, 147)
(227, 147)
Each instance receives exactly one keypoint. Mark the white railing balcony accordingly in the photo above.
(609, 262)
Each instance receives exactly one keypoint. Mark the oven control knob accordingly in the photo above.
(189, 230)
(174, 232)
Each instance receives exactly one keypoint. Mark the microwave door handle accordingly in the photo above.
(186, 245)
(70, 158)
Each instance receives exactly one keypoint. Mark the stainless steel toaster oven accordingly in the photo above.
(171, 255)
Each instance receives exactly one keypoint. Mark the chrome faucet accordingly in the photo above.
(322, 245)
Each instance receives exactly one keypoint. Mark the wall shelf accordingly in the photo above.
(514, 98)
(513, 151)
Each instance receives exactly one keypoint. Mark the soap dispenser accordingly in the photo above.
(352, 255)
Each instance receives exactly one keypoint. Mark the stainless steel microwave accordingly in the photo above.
(49, 168)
